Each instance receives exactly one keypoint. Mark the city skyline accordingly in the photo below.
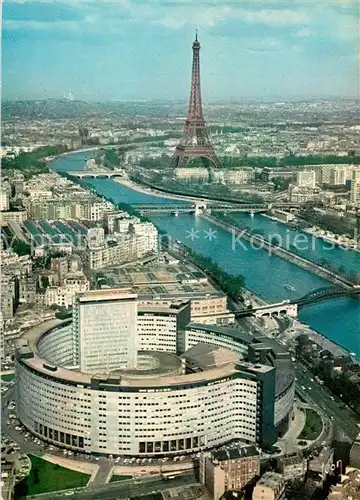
(306, 50)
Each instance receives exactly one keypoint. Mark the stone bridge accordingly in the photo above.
(292, 307)
(106, 174)
(280, 309)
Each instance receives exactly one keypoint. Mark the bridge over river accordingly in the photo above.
(203, 206)
(176, 209)
(101, 174)
(291, 307)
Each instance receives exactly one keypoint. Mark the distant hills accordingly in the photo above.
(65, 108)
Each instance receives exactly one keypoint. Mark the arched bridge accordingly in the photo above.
(291, 308)
(326, 293)
(106, 174)
(284, 308)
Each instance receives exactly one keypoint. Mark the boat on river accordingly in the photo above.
(291, 288)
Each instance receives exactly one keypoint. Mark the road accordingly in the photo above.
(344, 418)
(103, 472)
(26, 445)
(122, 490)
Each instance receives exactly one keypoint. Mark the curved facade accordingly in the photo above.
(257, 349)
(215, 392)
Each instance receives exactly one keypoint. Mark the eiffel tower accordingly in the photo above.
(195, 141)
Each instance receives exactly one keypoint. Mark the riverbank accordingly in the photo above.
(340, 241)
(326, 344)
(149, 191)
(281, 252)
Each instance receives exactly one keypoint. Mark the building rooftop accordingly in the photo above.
(106, 294)
(235, 453)
(173, 308)
(281, 359)
(222, 363)
(161, 280)
(235, 333)
(271, 480)
(349, 489)
(152, 363)
(203, 357)
(291, 460)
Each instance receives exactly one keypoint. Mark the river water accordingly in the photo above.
(264, 274)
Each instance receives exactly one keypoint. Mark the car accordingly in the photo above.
(332, 418)
(332, 398)
(311, 380)
(303, 388)
(309, 387)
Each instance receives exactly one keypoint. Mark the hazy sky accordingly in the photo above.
(141, 49)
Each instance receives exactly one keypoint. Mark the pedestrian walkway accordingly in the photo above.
(287, 443)
(296, 425)
(103, 473)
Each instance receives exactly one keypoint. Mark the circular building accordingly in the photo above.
(220, 385)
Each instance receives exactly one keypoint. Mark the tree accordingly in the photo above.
(44, 282)
(281, 184)
(21, 248)
(231, 285)
(111, 158)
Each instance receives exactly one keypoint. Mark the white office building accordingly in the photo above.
(63, 295)
(355, 188)
(149, 242)
(4, 200)
(105, 330)
(306, 179)
(223, 384)
(160, 327)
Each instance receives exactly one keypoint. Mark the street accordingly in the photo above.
(114, 491)
(343, 417)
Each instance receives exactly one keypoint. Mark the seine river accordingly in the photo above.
(264, 274)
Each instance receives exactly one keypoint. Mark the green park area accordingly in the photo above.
(46, 476)
(313, 426)
(116, 477)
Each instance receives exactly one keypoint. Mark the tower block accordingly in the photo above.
(195, 141)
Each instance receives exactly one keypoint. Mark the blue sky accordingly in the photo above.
(141, 49)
